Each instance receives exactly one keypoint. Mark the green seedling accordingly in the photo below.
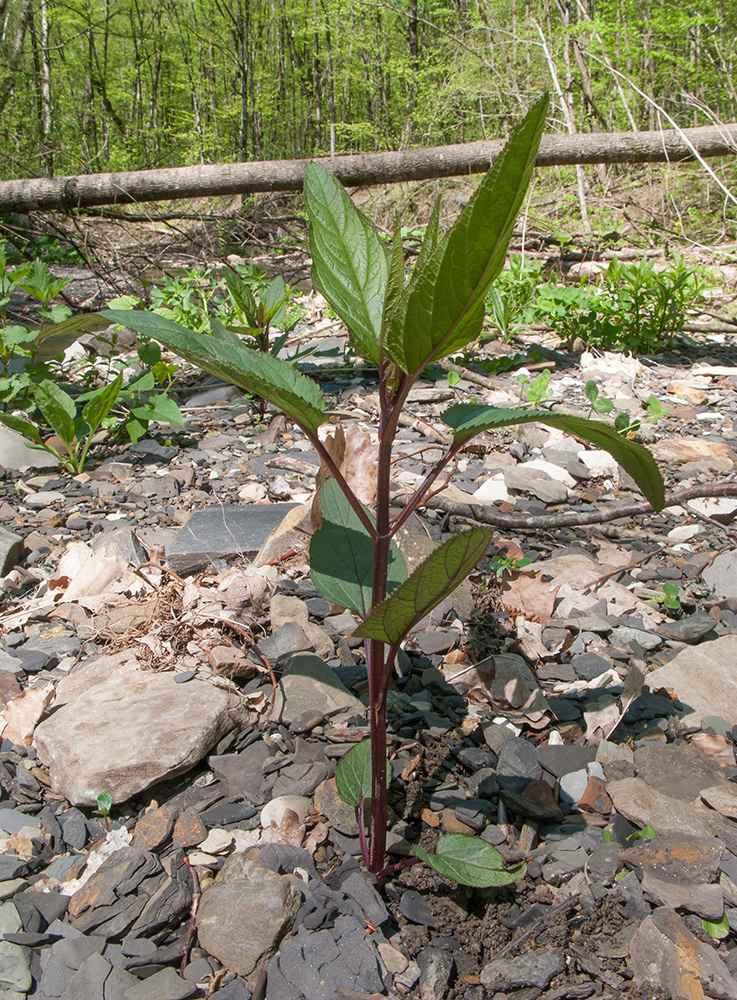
(599, 404)
(499, 566)
(104, 804)
(646, 833)
(75, 431)
(719, 929)
(668, 598)
(400, 324)
(537, 390)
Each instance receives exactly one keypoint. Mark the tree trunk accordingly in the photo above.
(369, 168)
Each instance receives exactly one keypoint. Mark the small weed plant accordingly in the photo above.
(401, 324)
(32, 400)
(632, 307)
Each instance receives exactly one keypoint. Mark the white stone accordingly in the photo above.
(599, 463)
(553, 470)
(492, 490)
(682, 532)
(273, 811)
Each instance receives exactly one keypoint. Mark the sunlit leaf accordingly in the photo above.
(350, 265)
(469, 419)
(469, 861)
(430, 583)
(224, 355)
(353, 774)
(58, 410)
(443, 308)
(342, 554)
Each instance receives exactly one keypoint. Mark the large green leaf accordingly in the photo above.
(241, 294)
(58, 409)
(342, 554)
(469, 861)
(22, 426)
(443, 308)
(349, 263)
(224, 355)
(469, 419)
(82, 321)
(433, 580)
(353, 774)
(101, 403)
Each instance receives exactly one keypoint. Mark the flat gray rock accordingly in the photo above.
(535, 968)
(721, 576)
(703, 678)
(11, 546)
(223, 531)
(310, 684)
(245, 913)
(120, 729)
(15, 454)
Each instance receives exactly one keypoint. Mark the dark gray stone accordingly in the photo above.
(300, 779)
(288, 640)
(223, 531)
(370, 902)
(74, 828)
(11, 867)
(535, 968)
(518, 764)
(474, 758)
(13, 820)
(164, 985)
(227, 813)
(690, 629)
(415, 909)
(242, 773)
(237, 990)
(73, 952)
(590, 665)
(560, 760)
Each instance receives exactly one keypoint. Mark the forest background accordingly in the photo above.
(103, 85)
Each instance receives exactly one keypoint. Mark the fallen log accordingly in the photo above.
(85, 190)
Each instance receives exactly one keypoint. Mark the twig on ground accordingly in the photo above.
(192, 926)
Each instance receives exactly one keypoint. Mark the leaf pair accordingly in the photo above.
(442, 308)
(465, 859)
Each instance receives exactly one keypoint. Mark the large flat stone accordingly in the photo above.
(223, 531)
(310, 684)
(243, 916)
(721, 575)
(703, 678)
(15, 453)
(120, 729)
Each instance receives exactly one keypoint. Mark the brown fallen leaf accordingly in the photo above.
(355, 455)
(528, 595)
(23, 713)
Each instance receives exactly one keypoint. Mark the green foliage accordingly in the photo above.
(104, 804)
(668, 597)
(718, 929)
(646, 833)
(536, 390)
(402, 325)
(342, 554)
(632, 307)
(499, 566)
(59, 412)
(353, 774)
(470, 861)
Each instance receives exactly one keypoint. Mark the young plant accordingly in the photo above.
(668, 597)
(401, 326)
(75, 431)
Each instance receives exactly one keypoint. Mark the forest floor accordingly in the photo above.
(556, 709)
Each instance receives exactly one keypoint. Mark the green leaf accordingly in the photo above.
(646, 833)
(443, 308)
(241, 294)
(58, 409)
(165, 410)
(150, 354)
(224, 355)
(353, 774)
(82, 321)
(22, 427)
(101, 403)
(342, 554)
(607, 837)
(395, 278)
(349, 263)
(14, 336)
(136, 427)
(469, 419)
(433, 580)
(716, 929)
(104, 803)
(275, 298)
(429, 243)
(469, 861)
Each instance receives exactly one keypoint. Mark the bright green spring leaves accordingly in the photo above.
(432, 581)
(342, 554)
(469, 861)
(349, 263)
(469, 419)
(224, 355)
(443, 308)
